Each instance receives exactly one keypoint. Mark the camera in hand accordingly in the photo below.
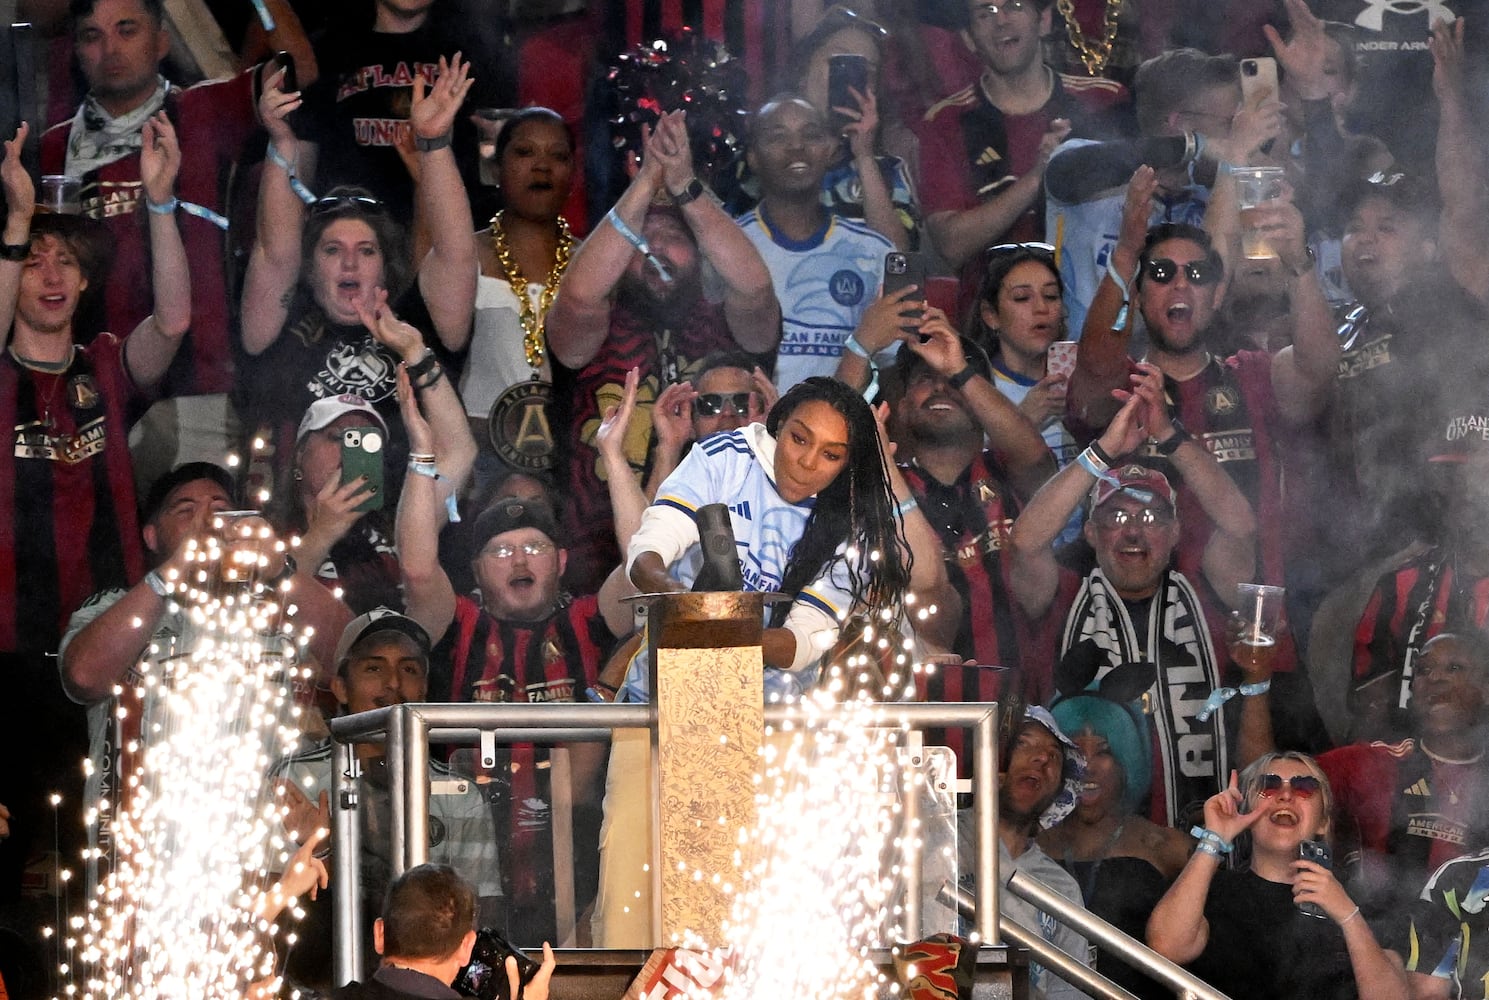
(486, 976)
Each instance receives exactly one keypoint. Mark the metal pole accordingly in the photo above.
(1124, 946)
(397, 751)
(912, 855)
(416, 789)
(346, 887)
(1073, 972)
(985, 813)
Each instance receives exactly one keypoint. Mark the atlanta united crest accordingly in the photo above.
(519, 428)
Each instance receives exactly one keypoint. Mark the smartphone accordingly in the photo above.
(362, 455)
(846, 72)
(902, 270)
(1258, 80)
(283, 60)
(1061, 358)
(1318, 852)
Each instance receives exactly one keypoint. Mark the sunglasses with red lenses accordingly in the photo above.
(1304, 786)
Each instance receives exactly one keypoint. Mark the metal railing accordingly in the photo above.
(407, 730)
(1124, 946)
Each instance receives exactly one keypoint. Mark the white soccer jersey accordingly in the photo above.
(738, 468)
(823, 285)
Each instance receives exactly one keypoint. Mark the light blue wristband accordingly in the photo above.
(164, 208)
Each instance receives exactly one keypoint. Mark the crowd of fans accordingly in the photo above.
(988, 325)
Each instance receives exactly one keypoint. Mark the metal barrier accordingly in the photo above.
(407, 730)
(1129, 949)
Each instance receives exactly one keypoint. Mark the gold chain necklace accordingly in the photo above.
(1094, 55)
(533, 346)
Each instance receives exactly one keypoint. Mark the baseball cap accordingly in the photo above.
(187, 472)
(1137, 481)
(510, 513)
(380, 620)
(325, 412)
(1409, 193)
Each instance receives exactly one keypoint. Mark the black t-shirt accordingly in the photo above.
(358, 109)
(1262, 945)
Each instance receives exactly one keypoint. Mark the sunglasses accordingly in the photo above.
(336, 203)
(1008, 7)
(711, 404)
(1304, 786)
(1005, 249)
(1199, 272)
(1121, 517)
(504, 550)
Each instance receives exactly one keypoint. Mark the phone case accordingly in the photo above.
(362, 455)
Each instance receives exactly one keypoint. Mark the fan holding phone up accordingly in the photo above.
(1282, 926)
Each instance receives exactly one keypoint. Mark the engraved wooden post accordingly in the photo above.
(706, 683)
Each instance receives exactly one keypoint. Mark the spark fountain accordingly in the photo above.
(196, 831)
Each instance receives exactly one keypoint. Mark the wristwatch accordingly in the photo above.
(17, 252)
(1171, 444)
(424, 145)
(689, 194)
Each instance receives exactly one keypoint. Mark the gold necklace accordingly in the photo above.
(1094, 55)
(533, 346)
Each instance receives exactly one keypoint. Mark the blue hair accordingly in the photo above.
(1123, 732)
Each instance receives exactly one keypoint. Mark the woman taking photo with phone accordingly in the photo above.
(1282, 926)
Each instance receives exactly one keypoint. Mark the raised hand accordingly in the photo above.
(1127, 430)
(160, 158)
(766, 390)
(275, 106)
(401, 338)
(433, 114)
(537, 988)
(674, 151)
(1223, 813)
(1056, 133)
(1303, 55)
(610, 437)
(1313, 883)
(889, 317)
(863, 123)
(1147, 387)
(672, 416)
(1446, 45)
(938, 344)
(20, 192)
(1137, 209)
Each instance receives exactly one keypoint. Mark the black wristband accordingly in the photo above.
(430, 145)
(1100, 453)
(423, 366)
(962, 377)
(1171, 444)
(17, 252)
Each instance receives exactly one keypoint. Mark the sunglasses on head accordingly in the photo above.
(711, 404)
(1304, 785)
(1006, 249)
(1199, 272)
(336, 203)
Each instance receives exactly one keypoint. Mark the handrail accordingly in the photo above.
(1123, 945)
(409, 728)
(1126, 947)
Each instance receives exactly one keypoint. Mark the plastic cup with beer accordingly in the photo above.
(1260, 609)
(1255, 187)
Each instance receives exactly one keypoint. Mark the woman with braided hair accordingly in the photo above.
(810, 502)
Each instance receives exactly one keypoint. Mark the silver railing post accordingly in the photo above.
(346, 887)
(394, 753)
(985, 813)
(416, 789)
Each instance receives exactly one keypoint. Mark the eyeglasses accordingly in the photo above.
(336, 203)
(711, 404)
(503, 550)
(1121, 517)
(1304, 786)
(1199, 272)
(1008, 7)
